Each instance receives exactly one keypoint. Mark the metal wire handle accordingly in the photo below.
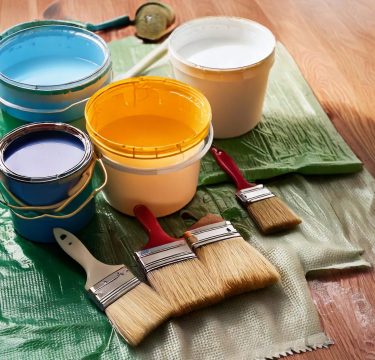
(73, 193)
(66, 216)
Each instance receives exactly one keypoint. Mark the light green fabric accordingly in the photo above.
(45, 313)
(295, 134)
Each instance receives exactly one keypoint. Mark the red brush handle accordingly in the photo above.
(156, 234)
(230, 167)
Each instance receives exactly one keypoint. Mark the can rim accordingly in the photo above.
(8, 139)
(65, 86)
(174, 53)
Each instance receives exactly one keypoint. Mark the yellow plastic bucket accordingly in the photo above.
(152, 133)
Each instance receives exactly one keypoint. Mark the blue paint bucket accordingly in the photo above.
(48, 70)
(29, 225)
(46, 172)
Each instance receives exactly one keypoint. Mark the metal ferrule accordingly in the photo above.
(112, 287)
(164, 255)
(212, 233)
(254, 194)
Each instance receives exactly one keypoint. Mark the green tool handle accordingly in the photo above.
(121, 21)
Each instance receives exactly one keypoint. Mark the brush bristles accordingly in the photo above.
(272, 215)
(185, 285)
(138, 312)
(237, 265)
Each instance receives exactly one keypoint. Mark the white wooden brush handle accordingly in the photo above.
(147, 61)
(95, 269)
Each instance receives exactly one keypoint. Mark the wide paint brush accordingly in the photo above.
(133, 308)
(236, 265)
(267, 210)
(173, 270)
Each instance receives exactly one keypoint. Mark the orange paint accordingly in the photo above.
(148, 118)
(146, 130)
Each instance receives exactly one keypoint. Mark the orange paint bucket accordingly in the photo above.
(152, 133)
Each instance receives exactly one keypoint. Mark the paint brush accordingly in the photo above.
(173, 270)
(133, 308)
(269, 212)
(236, 265)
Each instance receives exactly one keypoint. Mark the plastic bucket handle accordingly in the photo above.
(40, 111)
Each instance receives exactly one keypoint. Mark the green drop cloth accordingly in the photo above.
(45, 314)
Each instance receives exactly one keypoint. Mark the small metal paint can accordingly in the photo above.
(46, 179)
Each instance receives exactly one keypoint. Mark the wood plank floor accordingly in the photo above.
(333, 42)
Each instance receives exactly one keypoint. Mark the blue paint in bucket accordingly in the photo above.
(48, 71)
(40, 165)
(42, 154)
(51, 56)
(41, 162)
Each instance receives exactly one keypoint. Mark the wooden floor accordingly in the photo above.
(333, 42)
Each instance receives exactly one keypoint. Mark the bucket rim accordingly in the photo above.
(72, 85)
(148, 152)
(174, 53)
(207, 142)
(20, 131)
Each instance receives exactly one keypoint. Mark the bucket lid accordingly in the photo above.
(44, 152)
(196, 134)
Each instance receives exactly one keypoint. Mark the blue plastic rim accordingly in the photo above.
(49, 70)
(51, 57)
(41, 162)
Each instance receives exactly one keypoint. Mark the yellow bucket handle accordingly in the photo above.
(73, 193)
(61, 205)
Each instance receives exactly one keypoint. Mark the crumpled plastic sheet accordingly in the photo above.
(45, 313)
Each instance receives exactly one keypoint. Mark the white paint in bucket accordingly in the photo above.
(229, 60)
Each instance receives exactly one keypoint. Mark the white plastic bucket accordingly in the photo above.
(152, 133)
(165, 189)
(229, 60)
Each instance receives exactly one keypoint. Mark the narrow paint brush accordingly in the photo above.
(133, 308)
(173, 270)
(267, 210)
(236, 265)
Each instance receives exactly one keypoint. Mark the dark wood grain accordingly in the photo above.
(333, 42)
